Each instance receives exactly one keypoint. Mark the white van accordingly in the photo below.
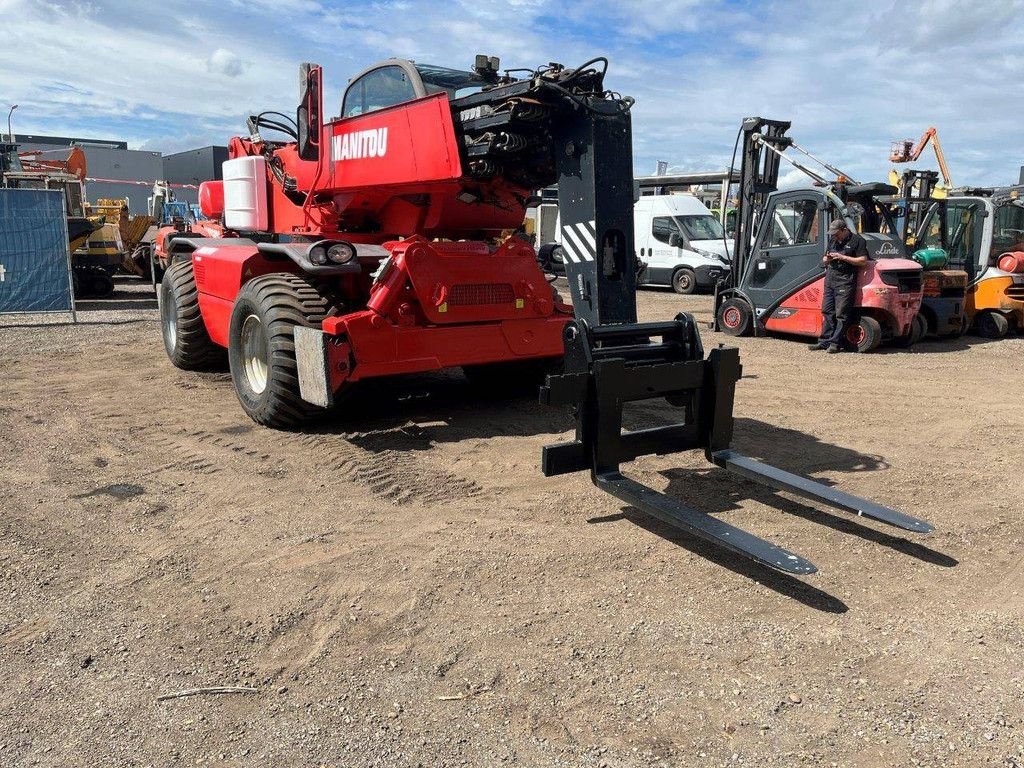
(680, 243)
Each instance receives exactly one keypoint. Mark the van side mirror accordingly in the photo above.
(675, 240)
(307, 116)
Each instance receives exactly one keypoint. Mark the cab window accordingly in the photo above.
(794, 222)
(378, 89)
(73, 199)
(454, 82)
(963, 234)
(662, 228)
(1007, 229)
(931, 234)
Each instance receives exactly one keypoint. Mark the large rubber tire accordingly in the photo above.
(141, 259)
(92, 283)
(735, 317)
(102, 284)
(551, 257)
(919, 329)
(958, 332)
(684, 281)
(186, 341)
(864, 335)
(261, 346)
(991, 325)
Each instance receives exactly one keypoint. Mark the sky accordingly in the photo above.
(851, 77)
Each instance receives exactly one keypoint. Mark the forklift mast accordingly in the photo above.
(915, 199)
(759, 177)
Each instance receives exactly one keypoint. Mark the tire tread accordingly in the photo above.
(284, 301)
(194, 350)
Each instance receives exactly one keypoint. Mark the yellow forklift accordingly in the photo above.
(944, 286)
(984, 228)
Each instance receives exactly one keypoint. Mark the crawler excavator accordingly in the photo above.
(368, 245)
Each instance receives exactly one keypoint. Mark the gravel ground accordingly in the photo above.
(402, 587)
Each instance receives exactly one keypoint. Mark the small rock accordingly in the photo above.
(283, 689)
(795, 698)
(86, 662)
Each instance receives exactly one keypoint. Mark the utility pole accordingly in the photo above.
(10, 133)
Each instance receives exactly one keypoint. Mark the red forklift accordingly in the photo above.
(777, 279)
(369, 245)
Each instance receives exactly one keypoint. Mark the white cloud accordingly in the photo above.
(794, 178)
(851, 76)
(224, 62)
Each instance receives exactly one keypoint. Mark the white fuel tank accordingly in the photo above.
(245, 194)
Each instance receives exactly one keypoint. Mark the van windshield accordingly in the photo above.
(701, 227)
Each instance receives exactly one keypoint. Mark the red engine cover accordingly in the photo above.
(406, 145)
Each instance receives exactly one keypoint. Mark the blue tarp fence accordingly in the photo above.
(34, 264)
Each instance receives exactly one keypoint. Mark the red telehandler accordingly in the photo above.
(367, 246)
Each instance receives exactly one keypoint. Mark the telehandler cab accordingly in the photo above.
(365, 246)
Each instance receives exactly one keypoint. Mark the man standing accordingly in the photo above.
(845, 255)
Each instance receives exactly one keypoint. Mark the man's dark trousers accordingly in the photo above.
(837, 306)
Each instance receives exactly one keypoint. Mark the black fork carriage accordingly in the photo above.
(611, 359)
(608, 366)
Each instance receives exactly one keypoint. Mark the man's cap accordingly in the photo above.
(836, 225)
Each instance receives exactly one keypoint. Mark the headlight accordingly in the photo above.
(318, 255)
(558, 255)
(341, 253)
(712, 255)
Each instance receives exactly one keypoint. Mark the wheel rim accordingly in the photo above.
(170, 323)
(856, 334)
(254, 354)
(683, 281)
(731, 317)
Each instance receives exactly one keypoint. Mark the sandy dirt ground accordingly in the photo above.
(402, 586)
